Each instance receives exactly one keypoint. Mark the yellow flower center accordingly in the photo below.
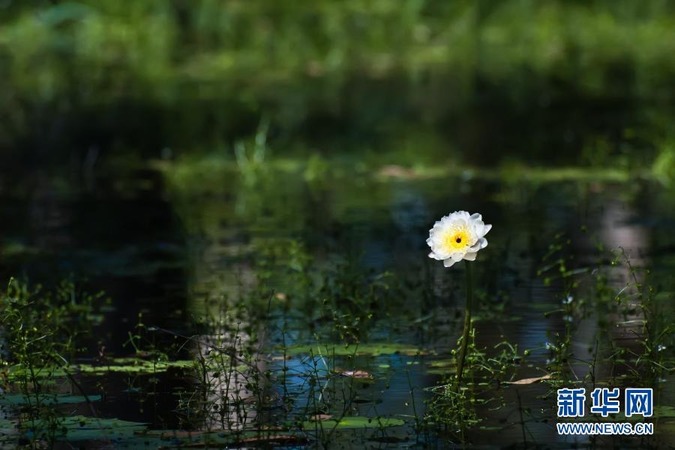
(456, 239)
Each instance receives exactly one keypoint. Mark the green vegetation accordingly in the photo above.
(308, 377)
(296, 154)
(635, 310)
(613, 298)
(41, 333)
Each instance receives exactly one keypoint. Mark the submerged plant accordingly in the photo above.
(459, 236)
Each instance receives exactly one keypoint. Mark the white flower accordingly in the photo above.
(456, 237)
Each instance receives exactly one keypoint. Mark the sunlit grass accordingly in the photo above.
(195, 172)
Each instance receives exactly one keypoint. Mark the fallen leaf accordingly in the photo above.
(530, 380)
(319, 417)
(285, 439)
(359, 374)
(395, 171)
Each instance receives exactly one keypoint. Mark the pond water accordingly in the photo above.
(301, 309)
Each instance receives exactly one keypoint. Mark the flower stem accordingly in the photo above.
(467, 324)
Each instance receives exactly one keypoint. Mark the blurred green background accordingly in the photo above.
(185, 156)
(409, 82)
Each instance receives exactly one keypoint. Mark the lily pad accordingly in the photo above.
(80, 428)
(490, 428)
(371, 349)
(356, 422)
(18, 373)
(119, 365)
(216, 439)
(20, 399)
(133, 365)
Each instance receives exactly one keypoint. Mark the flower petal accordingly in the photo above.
(470, 256)
(456, 236)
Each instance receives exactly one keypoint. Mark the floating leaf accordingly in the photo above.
(357, 422)
(215, 439)
(18, 373)
(279, 439)
(54, 399)
(81, 428)
(389, 439)
(119, 365)
(133, 365)
(355, 350)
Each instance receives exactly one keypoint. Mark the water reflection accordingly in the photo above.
(231, 382)
(622, 233)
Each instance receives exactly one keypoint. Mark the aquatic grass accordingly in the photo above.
(454, 411)
(612, 304)
(332, 388)
(280, 381)
(466, 329)
(656, 331)
(602, 292)
(289, 274)
(233, 391)
(614, 293)
(41, 331)
(250, 158)
(232, 388)
(274, 329)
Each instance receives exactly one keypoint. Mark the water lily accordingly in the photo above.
(457, 236)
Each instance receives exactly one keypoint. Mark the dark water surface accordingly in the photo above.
(285, 265)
